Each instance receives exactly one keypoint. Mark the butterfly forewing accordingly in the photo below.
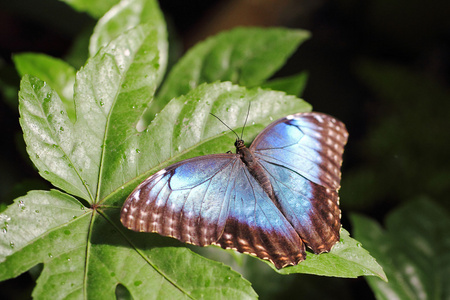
(302, 154)
(311, 144)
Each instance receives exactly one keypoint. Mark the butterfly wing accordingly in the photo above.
(302, 155)
(213, 199)
(256, 226)
(187, 201)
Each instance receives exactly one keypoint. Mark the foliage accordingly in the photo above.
(414, 251)
(406, 146)
(88, 146)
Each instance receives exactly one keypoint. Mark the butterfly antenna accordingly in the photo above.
(246, 118)
(224, 124)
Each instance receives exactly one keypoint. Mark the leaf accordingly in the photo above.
(84, 250)
(86, 255)
(414, 251)
(96, 8)
(292, 85)
(184, 129)
(52, 143)
(346, 259)
(84, 159)
(403, 95)
(57, 73)
(245, 56)
(128, 14)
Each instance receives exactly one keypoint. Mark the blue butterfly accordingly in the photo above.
(267, 200)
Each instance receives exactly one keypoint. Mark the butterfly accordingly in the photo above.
(268, 200)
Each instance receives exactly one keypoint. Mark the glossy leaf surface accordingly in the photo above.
(414, 250)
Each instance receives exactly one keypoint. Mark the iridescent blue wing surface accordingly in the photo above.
(302, 155)
(188, 200)
(213, 199)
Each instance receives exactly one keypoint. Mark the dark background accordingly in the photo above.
(380, 66)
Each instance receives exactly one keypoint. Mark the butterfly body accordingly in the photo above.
(268, 200)
(254, 168)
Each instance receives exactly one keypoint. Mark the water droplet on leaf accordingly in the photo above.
(21, 204)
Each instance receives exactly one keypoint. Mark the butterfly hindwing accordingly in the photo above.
(256, 226)
(302, 154)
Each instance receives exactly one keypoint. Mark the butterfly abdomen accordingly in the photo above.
(257, 171)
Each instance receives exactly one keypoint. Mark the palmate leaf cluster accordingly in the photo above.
(95, 133)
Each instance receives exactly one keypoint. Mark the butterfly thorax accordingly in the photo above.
(255, 168)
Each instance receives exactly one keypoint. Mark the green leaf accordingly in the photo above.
(404, 95)
(414, 251)
(52, 142)
(86, 253)
(246, 56)
(128, 14)
(115, 85)
(292, 85)
(101, 156)
(37, 208)
(346, 259)
(55, 72)
(184, 129)
(83, 159)
(96, 8)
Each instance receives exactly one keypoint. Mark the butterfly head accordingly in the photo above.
(239, 144)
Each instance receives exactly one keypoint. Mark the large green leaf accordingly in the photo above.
(346, 259)
(101, 157)
(291, 85)
(185, 129)
(414, 251)
(57, 73)
(128, 14)
(95, 8)
(246, 56)
(110, 94)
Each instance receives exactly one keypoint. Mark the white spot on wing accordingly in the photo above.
(319, 118)
(227, 236)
